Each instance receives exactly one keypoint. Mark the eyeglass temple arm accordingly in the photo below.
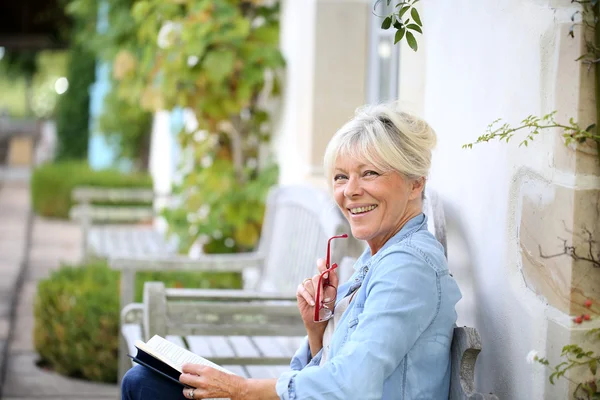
(342, 236)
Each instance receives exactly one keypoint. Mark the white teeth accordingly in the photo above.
(359, 210)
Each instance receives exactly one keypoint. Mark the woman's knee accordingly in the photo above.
(132, 380)
(141, 383)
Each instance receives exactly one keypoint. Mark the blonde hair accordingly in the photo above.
(386, 137)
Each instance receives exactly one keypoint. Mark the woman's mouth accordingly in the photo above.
(362, 210)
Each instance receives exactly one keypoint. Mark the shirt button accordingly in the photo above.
(366, 269)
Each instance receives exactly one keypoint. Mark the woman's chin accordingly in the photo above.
(360, 234)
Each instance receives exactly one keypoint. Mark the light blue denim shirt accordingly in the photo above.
(393, 341)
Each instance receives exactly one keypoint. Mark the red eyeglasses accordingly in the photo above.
(326, 292)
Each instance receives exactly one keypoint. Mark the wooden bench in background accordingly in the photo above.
(118, 230)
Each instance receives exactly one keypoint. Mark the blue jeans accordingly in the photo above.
(139, 383)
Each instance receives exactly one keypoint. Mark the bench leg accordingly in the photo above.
(124, 361)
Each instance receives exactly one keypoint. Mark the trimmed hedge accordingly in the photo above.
(77, 315)
(52, 184)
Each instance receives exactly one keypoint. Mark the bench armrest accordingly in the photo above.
(466, 345)
(132, 313)
(227, 295)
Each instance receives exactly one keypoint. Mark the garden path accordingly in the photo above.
(31, 247)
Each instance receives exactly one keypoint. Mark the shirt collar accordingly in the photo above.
(412, 225)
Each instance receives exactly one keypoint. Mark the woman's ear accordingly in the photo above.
(418, 185)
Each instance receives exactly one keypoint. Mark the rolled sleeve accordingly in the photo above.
(285, 387)
(402, 300)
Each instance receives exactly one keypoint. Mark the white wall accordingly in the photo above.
(484, 60)
(293, 129)
(324, 43)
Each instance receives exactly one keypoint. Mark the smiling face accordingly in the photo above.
(376, 203)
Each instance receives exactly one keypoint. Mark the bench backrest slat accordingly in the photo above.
(85, 194)
(298, 222)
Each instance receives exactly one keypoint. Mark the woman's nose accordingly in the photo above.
(352, 188)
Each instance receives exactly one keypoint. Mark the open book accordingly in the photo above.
(167, 358)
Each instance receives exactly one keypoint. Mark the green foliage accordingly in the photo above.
(52, 184)
(405, 27)
(72, 117)
(533, 126)
(77, 315)
(123, 121)
(13, 89)
(20, 63)
(77, 322)
(574, 356)
(220, 59)
(587, 17)
(127, 127)
(226, 214)
(15, 86)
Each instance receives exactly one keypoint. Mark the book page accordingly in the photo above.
(174, 355)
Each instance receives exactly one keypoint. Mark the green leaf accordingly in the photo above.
(412, 42)
(403, 11)
(399, 35)
(415, 16)
(414, 27)
(219, 65)
(387, 22)
(593, 366)
(398, 24)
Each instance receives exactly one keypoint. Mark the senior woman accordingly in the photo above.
(391, 328)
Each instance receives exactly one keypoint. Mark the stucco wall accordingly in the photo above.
(479, 61)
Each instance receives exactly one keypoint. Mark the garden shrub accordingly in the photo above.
(77, 322)
(77, 315)
(52, 184)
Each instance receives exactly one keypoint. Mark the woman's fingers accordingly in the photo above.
(192, 368)
(306, 291)
(321, 265)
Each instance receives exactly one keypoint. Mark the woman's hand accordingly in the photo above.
(305, 294)
(211, 383)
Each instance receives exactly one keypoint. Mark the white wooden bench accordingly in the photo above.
(118, 231)
(298, 222)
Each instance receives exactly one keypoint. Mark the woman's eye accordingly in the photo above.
(338, 177)
(371, 173)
